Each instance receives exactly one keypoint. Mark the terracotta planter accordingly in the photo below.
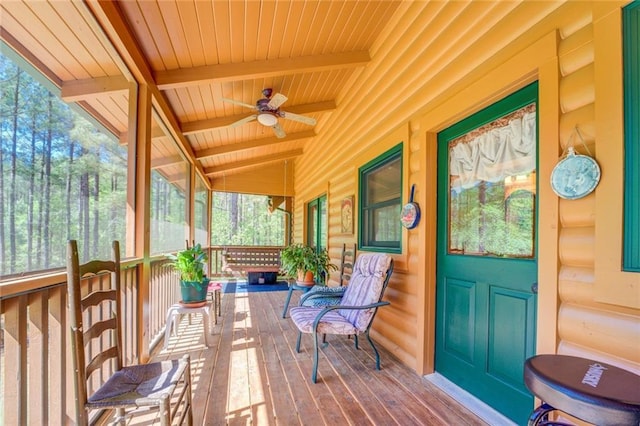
(305, 276)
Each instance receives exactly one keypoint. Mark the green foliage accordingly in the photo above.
(61, 178)
(323, 264)
(243, 219)
(300, 257)
(296, 257)
(168, 211)
(190, 263)
(484, 222)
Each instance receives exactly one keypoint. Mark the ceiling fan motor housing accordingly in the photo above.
(268, 112)
(263, 105)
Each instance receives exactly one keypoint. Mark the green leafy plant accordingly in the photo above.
(322, 264)
(190, 264)
(300, 257)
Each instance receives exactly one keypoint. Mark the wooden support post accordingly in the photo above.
(143, 213)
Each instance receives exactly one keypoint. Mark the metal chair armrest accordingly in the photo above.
(333, 308)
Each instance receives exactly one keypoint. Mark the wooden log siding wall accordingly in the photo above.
(586, 327)
(443, 49)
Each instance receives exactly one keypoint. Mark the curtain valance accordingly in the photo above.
(494, 154)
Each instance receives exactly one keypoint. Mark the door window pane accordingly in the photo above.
(492, 184)
(312, 223)
(322, 223)
(317, 226)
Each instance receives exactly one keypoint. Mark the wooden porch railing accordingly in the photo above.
(216, 261)
(36, 385)
(36, 370)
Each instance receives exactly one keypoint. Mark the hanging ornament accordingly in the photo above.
(575, 175)
(410, 215)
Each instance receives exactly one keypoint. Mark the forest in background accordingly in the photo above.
(63, 178)
(243, 219)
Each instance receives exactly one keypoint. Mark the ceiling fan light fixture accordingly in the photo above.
(267, 119)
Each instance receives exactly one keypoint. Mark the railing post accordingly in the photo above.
(143, 214)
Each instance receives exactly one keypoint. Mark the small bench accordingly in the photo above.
(261, 264)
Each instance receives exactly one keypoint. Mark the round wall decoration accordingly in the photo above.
(575, 176)
(410, 215)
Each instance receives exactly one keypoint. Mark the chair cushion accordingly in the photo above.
(140, 384)
(365, 287)
(323, 296)
(326, 289)
(322, 301)
(332, 322)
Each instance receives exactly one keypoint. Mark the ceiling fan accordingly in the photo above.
(268, 111)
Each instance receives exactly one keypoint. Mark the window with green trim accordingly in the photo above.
(380, 202)
(631, 52)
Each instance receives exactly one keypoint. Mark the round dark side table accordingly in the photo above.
(589, 390)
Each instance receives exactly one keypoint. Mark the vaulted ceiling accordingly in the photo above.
(192, 55)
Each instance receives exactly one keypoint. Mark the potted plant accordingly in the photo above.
(323, 265)
(190, 265)
(303, 262)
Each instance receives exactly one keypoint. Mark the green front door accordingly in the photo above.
(486, 265)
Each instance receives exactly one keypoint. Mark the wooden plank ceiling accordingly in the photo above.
(193, 54)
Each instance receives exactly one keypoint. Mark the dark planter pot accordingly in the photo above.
(193, 291)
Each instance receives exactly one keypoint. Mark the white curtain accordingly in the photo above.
(495, 154)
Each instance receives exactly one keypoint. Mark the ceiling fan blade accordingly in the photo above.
(233, 101)
(301, 118)
(277, 100)
(278, 130)
(244, 120)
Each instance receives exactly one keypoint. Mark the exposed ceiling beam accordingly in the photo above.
(159, 163)
(114, 24)
(220, 122)
(212, 171)
(176, 78)
(257, 143)
(24, 54)
(156, 132)
(177, 178)
(79, 90)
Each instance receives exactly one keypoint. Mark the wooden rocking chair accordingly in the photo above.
(95, 311)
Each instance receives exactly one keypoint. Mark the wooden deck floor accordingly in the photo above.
(251, 374)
